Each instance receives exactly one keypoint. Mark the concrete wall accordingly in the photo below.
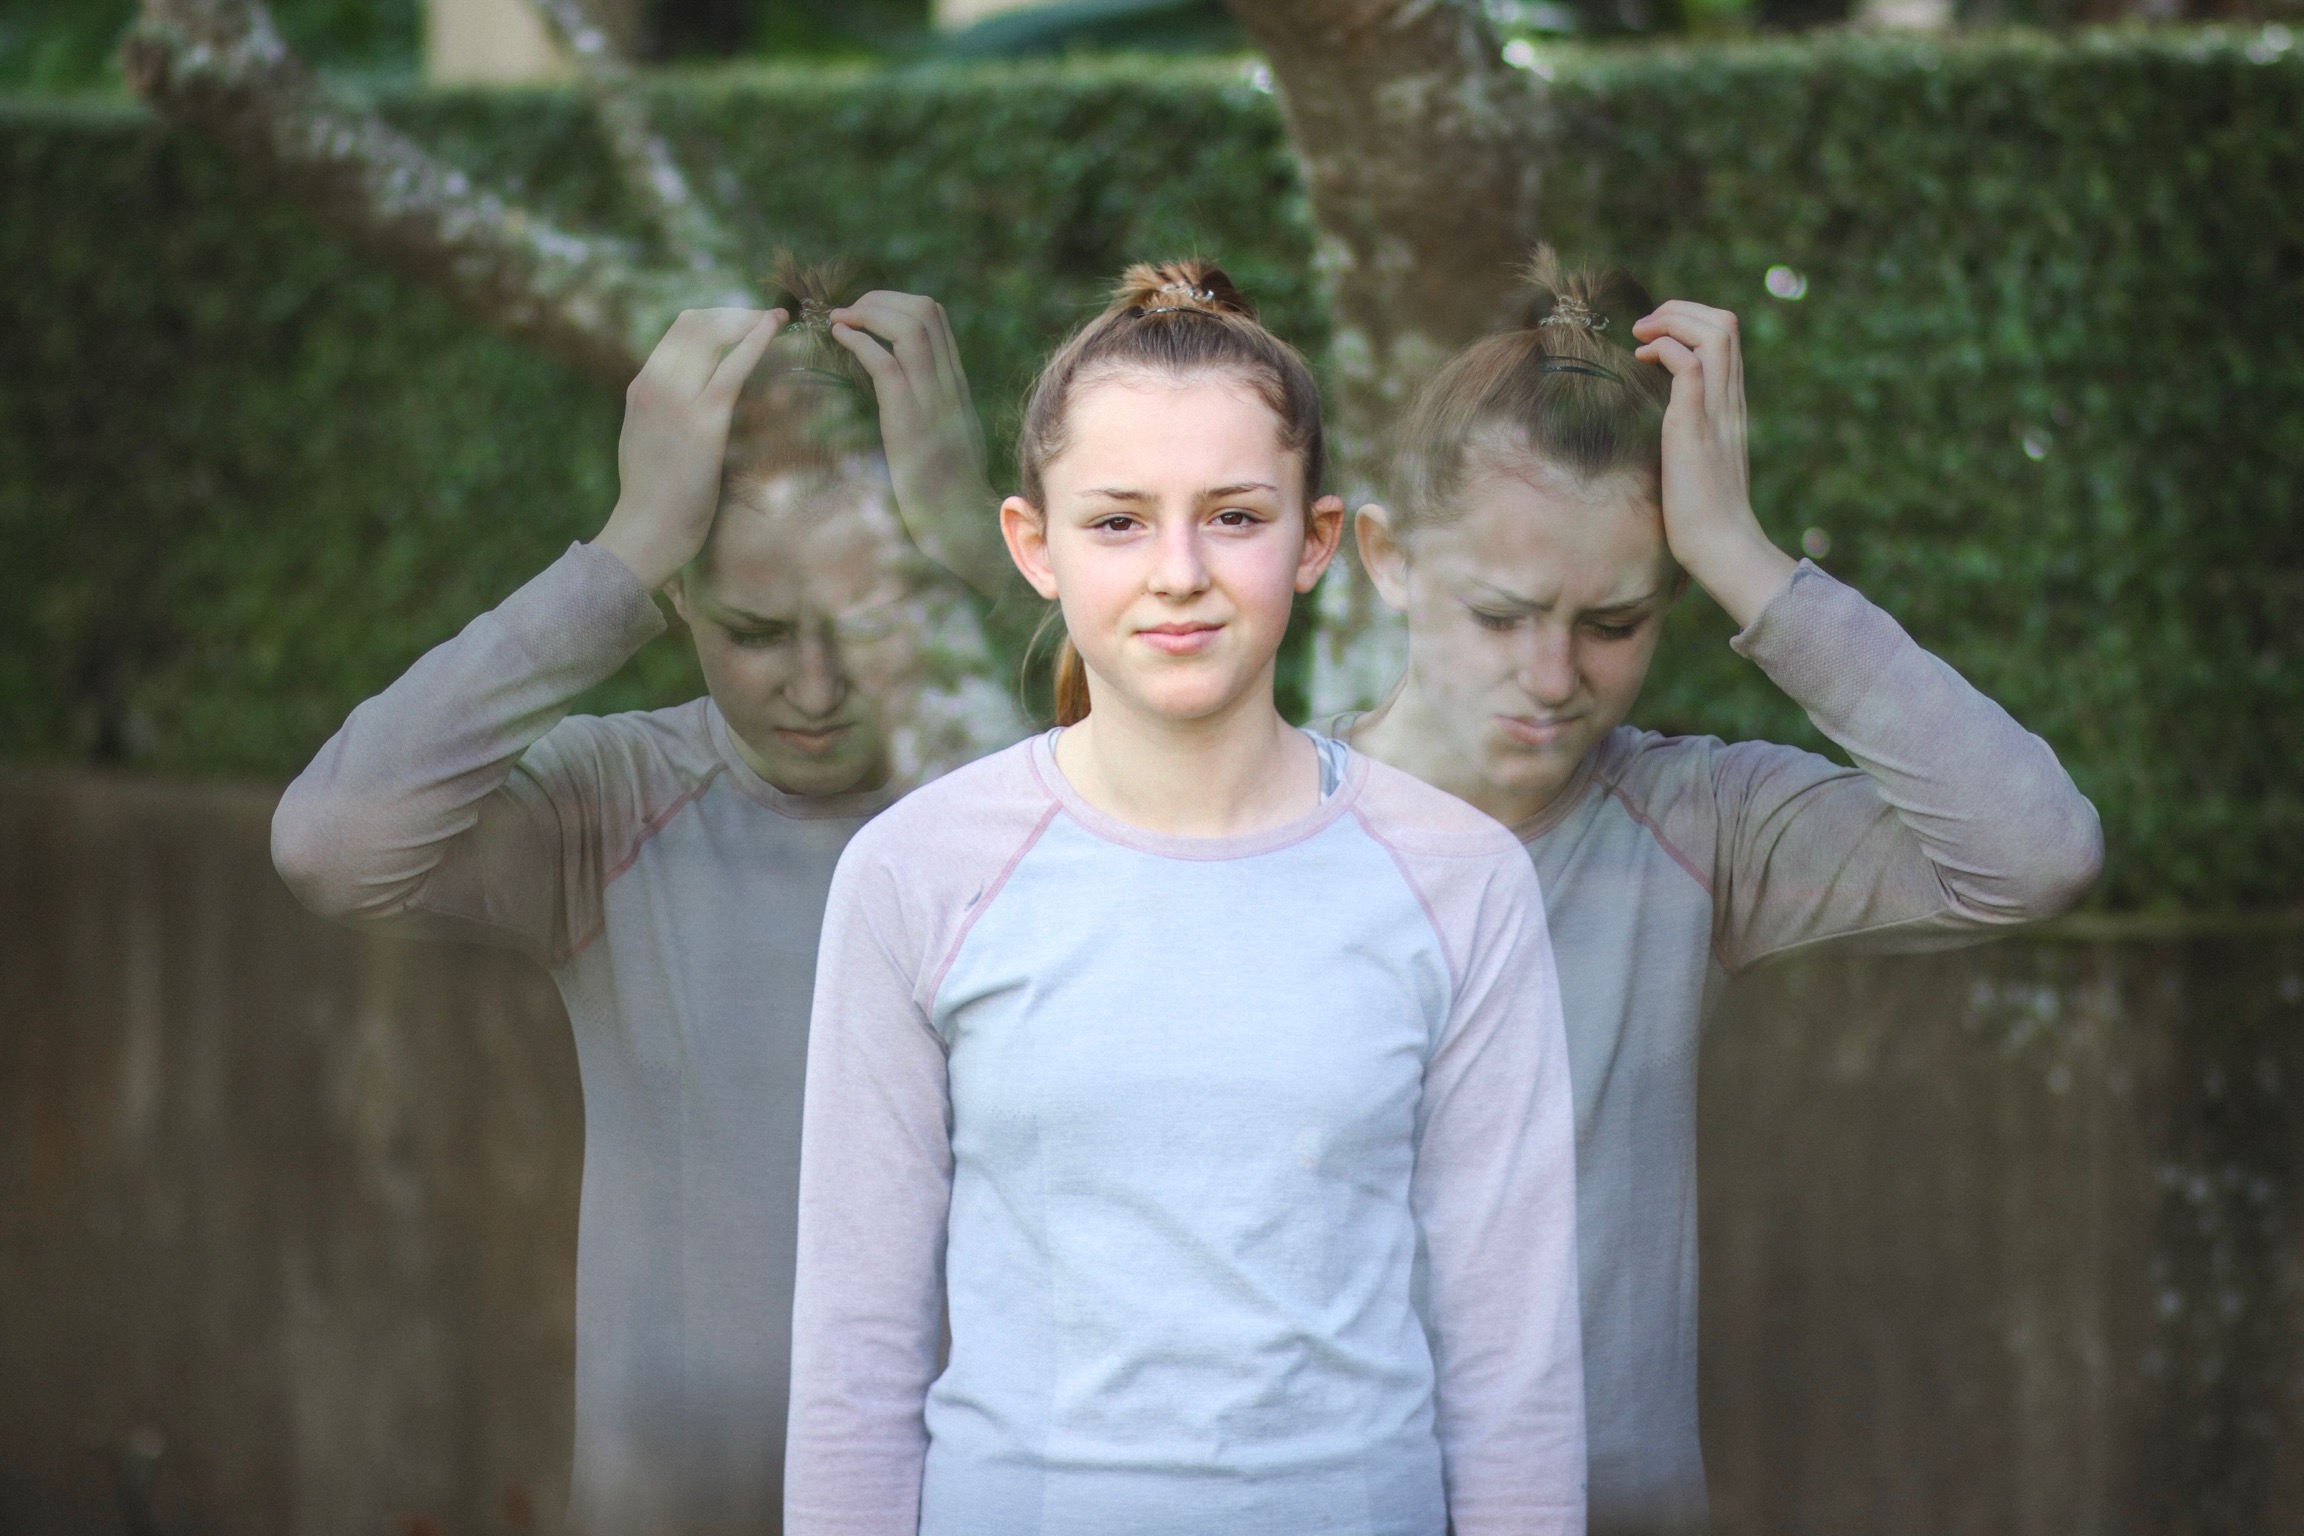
(2001, 1241)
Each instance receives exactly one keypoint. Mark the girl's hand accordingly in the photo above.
(676, 415)
(1708, 519)
(928, 425)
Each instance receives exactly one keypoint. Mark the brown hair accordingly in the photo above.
(1563, 387)
(1177, 318)
(808, 406)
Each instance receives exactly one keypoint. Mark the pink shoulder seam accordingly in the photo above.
(991, 893)
(640, 840)
(1400, 862)
(1672, 851)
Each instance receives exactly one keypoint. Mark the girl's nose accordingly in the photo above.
(1548, 668)
(1178, 569)
(819, 683)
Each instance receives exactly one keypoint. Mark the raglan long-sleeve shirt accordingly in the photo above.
(1243, 1167)
(676, 898)
(1671, 863)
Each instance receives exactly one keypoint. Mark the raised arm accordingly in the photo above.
(1955, 817)
(1954, 821)
(928, 426)
(1495, 1193)
(413, 815)
(875, 1195)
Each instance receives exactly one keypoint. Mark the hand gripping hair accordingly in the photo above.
(1175, 319)
(809, 407)
(1559, 388)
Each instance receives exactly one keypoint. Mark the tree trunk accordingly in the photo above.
(1423, 153)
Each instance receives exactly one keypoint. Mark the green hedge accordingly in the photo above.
(2044, 391)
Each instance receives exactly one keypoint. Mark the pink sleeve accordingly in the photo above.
(876, 1147)
(1495, 1197)
(875, 1188)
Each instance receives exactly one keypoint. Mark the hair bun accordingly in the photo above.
(1171, 286)
(815, 288)
(1567, 299)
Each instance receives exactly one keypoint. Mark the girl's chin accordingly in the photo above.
(1199, 699)
(1512, 764)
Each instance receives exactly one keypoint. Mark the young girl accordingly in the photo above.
(1209, 1079)
(1560, 490)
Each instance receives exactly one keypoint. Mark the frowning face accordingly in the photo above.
(799, 608)
(1533, 612)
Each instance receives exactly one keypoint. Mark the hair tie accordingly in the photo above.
(1566, 365)
(1569, 310)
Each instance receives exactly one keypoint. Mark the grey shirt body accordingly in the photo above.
(1671, 863)
(676, 898)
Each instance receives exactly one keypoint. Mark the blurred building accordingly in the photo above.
(952, 15)
(489, 42)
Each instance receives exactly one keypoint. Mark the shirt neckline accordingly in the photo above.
(1040, 753)
(1530, 828)
(854, 803)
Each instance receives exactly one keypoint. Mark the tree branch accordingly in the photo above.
(221, 68)
(692, 233)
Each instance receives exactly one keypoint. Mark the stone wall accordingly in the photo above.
(2004, 1240)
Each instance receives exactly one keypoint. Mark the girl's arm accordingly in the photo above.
(875, 1193)
(1955, 818)
(1495, 1195)
(928, 425)
(413, 815)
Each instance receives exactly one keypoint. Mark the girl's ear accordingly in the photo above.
(1382, 555)
(1323, 533)
(677, 590)
(1026, 532)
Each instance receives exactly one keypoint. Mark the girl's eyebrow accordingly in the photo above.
(1213, 493)
(724, 613)
(1606, 610)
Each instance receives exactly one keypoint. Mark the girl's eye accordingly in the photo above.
(1237, 517)
(1499, 622)
(1117, 523)
(1615, 631)
(755, 639)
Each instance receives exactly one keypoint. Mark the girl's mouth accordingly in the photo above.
(812, 743)
(1529, 731)
(1180, 639)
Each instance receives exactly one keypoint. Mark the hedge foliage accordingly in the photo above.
(2043, 390)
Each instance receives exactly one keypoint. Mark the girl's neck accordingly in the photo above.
(1226, 775)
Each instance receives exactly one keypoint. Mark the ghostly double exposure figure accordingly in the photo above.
(669, 867)
(1560, 483)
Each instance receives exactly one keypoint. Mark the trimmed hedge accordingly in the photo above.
(2043, 391)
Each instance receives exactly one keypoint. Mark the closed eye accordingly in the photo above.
(765, 635)
(1489, 619)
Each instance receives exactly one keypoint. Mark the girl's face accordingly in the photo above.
(1532, 617)
(1176, 538)
(804, 629)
